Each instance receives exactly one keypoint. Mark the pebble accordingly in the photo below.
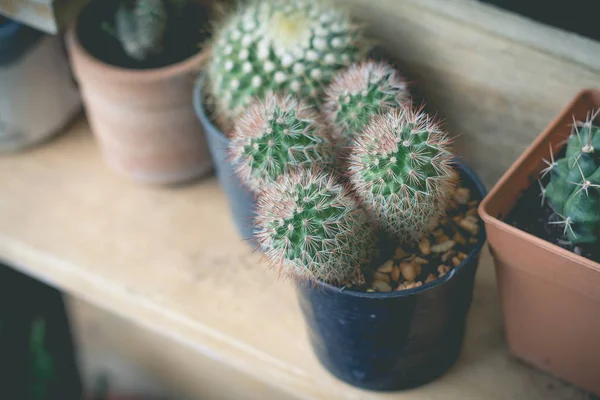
(382, 286)
(443, 247)
(430, 278)
(425, 246)
(458, 238)
(448, 255)
(401, 286)
(461, 255)
(462, 195)
(443, 270)
(469, 226)
(420, 261)
(400, 253)
(408, 271)
(414, 285)
(386, 267)
(380, 276)
(395, 274)
(455, 261)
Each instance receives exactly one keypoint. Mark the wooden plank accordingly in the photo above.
(168, 259)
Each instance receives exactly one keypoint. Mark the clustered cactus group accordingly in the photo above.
(574, 188)
(140, 25)
(289, 83)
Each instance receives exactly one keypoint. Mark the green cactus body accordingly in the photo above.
(574, 188)
(401, 169)
(360, 92)
(312, 229)
(141, 26)
(275, 137)
(293, 46)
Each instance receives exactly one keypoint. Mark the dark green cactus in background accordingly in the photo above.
(140, 25)
(574, 188)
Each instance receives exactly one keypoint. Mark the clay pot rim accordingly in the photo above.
(515, 169)
(98, 66)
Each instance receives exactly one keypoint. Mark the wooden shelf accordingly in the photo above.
(50, 16)
(168, 259)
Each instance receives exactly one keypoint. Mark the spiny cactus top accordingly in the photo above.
(276, 136)
(140, 25)
(401, 169)
(360, 92)
(312, 229)
(574, 188)
(267, 46)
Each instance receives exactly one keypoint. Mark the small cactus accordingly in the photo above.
(276, 136)
(360, 92)
(293, 46)
(312, 229)
(401, 169)
(140, 25)
(574, 188)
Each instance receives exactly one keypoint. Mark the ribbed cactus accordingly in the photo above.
(312, 229)
(140, 25)
(574, 188)
(360, 92)
(276, 136)
(401, 169)
(293, 46)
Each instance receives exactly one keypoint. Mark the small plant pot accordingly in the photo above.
(142, 118)
(242, 201)
(396, 340)
(37, 94)
(550, 296)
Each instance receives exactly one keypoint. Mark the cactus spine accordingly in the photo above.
(360, 92)
(275, 137)
(312, 229)
(293, 46)
(140, 25)
(574, 188)
(400, 167)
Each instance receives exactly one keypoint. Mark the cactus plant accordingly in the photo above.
(312, 229)
(276, 136)
(401, 169)
(140, 25)
(574, 188)
(360, 92)
(293, 46)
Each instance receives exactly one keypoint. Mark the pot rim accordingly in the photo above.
(514, 169)
(195, 61)
(199, 106)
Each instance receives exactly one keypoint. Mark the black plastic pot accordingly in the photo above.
(242, 201)
(396, 340)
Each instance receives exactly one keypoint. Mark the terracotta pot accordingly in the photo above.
(550, 296)
(144, 120)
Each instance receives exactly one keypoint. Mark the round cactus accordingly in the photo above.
(276, 136)
(574, 188)
(401, 169)
(293, 46)
(312, 229)
(360, 92)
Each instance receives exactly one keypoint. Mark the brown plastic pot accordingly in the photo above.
(143, 120)
(550, 296)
